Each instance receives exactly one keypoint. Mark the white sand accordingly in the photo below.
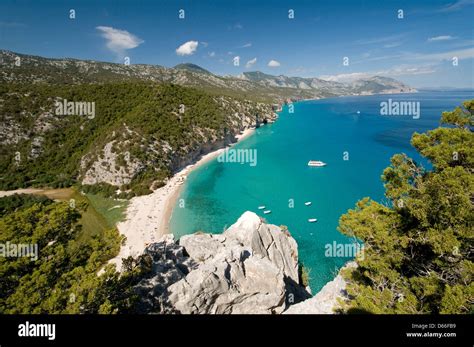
(148, 216)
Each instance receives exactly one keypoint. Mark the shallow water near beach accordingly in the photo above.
(216, 194)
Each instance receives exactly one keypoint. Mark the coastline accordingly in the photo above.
(171, 201)
(148, 216)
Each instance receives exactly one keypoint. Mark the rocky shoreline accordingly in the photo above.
(251, 268)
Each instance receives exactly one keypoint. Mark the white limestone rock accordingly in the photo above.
(326, 300)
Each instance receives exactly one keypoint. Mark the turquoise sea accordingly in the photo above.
(216, 194)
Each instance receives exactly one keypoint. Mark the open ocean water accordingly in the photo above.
(216, 194)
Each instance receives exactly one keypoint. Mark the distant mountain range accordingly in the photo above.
(251, 85)
(368, 85)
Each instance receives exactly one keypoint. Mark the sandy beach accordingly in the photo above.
(148, 216)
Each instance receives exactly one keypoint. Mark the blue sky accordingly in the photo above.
(417, 49)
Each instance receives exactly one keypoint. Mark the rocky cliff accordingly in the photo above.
(251, 268)
(112, 161)
(326, 300)
(140, 135)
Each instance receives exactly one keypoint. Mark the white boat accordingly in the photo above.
(316, 163)
(261, 207)
(312, 220)
(267, 211)
(307, 203)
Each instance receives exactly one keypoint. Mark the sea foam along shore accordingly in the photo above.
(148, 216)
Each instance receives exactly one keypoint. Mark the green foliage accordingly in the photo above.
(104, 189)
(9, 204)
(450, 146)
(64, 277)
(303, 275)
(418, 253)
(140, 119)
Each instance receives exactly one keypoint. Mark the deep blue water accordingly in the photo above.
(216, 194)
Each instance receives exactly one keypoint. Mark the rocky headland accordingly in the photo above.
(251, 268)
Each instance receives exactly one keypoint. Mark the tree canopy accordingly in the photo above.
(418, 251)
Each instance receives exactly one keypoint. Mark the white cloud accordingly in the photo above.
(344, 78)
(247, 45)
(12, 25)
(380, 40)
(118, 41)
(212, 54)
(460, 54)
(456, 6)
(402, 70)
(187, 48)
(251, 63)
(434, 58)
(440, 38)
(204, 43)
(366, 59)
(392, 45)
(273, 63)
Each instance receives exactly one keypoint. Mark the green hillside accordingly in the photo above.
(41, 148)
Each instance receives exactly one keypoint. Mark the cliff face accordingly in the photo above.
(326, 300)
(251, 268)
(242, 115)
(139, 135)
(114, 162)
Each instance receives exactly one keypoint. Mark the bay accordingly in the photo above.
(348, 133)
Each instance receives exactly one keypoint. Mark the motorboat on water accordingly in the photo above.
(312, 220)
(308, 203)
(316, 163)
(267, 211)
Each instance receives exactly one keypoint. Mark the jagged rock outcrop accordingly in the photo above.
(106, 168)
(251, 268)
(170, 263)
(326, 300)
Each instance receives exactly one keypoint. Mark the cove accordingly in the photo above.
(348, 133)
